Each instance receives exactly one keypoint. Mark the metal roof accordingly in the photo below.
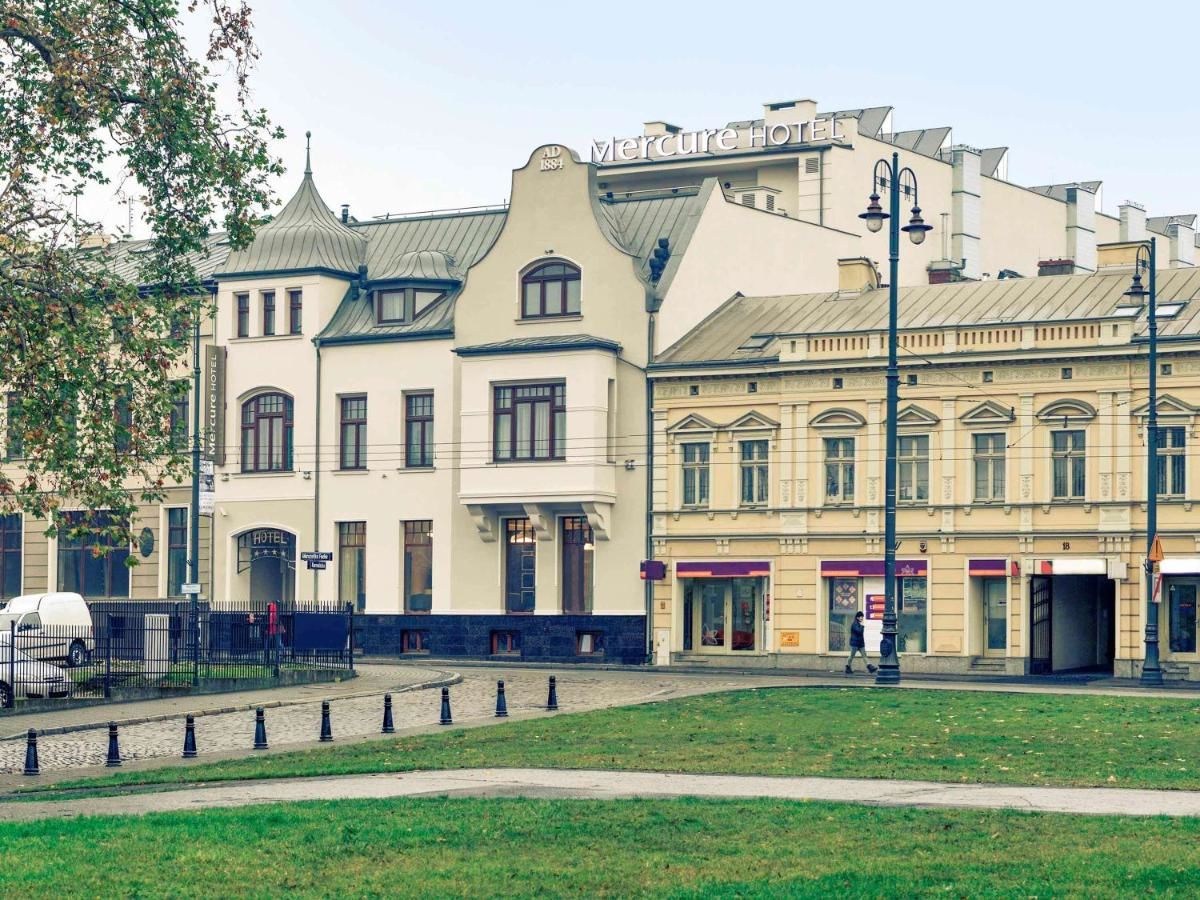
(640, 221)
(1058, 298)
(304, 236)
(541, 344)
(124, 259)
(1059, 191)
(926, 141)
(990, 159)
(1160, 224)
(463, 237)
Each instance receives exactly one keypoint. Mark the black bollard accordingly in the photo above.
(31, 760)
(445, 719)
(189, 738)
(260, 729)
(326, 728)
(388, 727)
(114, 749)
(552, 700)
(501, 703)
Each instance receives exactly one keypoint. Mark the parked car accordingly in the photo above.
(23, 676)
(55, 626)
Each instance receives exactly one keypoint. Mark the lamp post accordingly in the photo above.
(194, 512)
(1145, 259)
(896, 181)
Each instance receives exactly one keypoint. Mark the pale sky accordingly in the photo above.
(418, 105)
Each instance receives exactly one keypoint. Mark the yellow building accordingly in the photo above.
(1021, 475)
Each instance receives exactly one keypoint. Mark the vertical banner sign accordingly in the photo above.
(873, 626)
(208, 488)
(214, 405)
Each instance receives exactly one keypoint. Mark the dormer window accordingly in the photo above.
(550, 289)
(398, 305)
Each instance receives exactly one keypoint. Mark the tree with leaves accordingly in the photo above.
(96, 93)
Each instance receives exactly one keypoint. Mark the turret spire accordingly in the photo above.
(308, 153)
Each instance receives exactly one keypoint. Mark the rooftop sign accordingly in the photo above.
(708, 141)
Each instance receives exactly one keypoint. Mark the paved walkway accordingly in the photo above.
(599, 785)
(370, 679)
(295, 722)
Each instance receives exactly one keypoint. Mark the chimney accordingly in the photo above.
(965, 211)
(1056, 267)
(789, 112)
(1117, 255)
(1081, 229)
(345, 213)
(94, 240)
(1133, 221)
(855, 275)
(1182, 236)
(654, 129)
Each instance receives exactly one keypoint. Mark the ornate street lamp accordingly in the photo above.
(896, 181)
(1145, 259)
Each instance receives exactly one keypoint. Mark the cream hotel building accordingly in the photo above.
(668, 347)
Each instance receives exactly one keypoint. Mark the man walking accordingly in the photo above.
(858, 644)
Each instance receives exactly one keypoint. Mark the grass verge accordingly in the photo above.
(531, 848)
(960, 736)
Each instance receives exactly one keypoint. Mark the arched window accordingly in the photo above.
(551, 289)
(267, 433)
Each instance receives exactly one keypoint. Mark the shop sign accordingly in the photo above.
(789, 639)
(709, 141)
(875, 606)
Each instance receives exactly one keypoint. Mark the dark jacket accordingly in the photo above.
(856, 634)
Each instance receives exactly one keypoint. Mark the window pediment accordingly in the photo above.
(1067, 410)
(838, 418)
(692, 424)
(1169, 407)
(988, 413)
(753, 421)
(913, 415)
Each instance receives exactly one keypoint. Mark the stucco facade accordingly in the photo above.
(1022, 478)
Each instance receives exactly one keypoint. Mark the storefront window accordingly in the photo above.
(1182, 602)
(843, 604)
(914, 604)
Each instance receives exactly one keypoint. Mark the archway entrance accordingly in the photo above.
(269, 555)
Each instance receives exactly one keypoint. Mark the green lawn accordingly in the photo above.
(537, 848)
(961, 736)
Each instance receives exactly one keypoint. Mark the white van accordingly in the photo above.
(50, 626)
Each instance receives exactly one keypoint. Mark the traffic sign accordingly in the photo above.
(315, 563)
(189, 589)
(311, 555)
(1156, 550)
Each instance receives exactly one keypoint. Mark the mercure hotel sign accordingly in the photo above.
(710, 140)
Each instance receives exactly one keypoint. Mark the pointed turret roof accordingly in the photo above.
(304, 236)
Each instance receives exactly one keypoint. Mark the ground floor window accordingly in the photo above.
(352, 564)
(418, 566)
(589, 643)
(10, 555)
(506, 643)
(414, 641)
(912, 614)
(844, 602)
(1181, 604)
(578, 571)
(177, 547)
(520, 566)
(91, 564)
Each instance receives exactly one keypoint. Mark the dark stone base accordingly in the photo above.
(616, 639)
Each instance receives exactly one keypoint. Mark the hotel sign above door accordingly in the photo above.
(710, 141)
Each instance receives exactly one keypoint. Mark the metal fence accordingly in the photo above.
(157, 647)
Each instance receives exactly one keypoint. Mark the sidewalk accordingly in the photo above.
(370, 680)
(600, 785)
